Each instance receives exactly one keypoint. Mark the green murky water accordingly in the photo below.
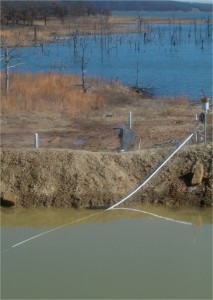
(159, 253)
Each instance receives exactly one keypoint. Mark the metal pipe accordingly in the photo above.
(196, 120)
(156, 171)
(36, 140)
(130, 120)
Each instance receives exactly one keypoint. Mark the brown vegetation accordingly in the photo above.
(39, 32)
(55, 106)
(48, 92)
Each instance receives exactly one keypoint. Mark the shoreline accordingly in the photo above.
(83, 179)
(38, 33)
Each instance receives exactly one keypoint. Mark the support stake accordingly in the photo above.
(36, 140)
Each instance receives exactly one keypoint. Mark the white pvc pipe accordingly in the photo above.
(36, 140)
(154, 215)
(130, 120)
(53, 229)
(156, 171)
(113, 206)
(205, 126)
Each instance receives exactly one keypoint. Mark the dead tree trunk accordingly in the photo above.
(7, 74)
(84, 62)
(7, 58)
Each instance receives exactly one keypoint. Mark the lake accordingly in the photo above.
(117, 254)
(168, 59)
(165, 14)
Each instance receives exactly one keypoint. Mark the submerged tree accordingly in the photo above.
(84, 62)
(8, 58)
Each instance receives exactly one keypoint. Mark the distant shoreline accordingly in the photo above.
(28, 35)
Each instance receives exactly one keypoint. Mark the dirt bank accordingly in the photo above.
(65, 178)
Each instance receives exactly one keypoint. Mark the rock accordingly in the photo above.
(8, 199)
(197, 174)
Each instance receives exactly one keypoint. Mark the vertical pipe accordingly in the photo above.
(36, 140)
(130, 120)
(196, 120)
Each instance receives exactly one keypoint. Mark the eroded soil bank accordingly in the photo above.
(76, 178)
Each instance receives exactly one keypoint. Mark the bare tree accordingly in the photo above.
(208, 23)
(84, 62)
(75, 38)
(137, 74)
(140, 22)
(8, 57)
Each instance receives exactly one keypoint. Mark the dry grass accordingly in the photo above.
(48, 92)
(53, 92)
(11, 36)
(23, 35)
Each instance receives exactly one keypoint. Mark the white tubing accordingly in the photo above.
(130, 120)
(113, 206)
(53, 229)
(154, 215)
(157, 170)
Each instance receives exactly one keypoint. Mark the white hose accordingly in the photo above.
(113, 206)
(56, 228)
(154, 215)
(157, 170)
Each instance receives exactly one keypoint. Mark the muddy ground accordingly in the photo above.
(76, 178)
(79, 162)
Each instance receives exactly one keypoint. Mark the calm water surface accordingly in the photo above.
(165, 14)
(114, 255)
(171, 59)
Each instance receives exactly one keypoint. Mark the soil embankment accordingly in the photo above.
(75, 178)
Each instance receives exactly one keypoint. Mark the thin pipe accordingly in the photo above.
(130, 120)
(56, 228)
(154, 215)
(36, 140)
(156, 171)
(113, 206)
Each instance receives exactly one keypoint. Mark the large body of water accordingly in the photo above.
(172, 59)
(165, 14)
(114, 255)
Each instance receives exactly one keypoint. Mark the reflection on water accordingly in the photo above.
(117, 254)
(59, 216)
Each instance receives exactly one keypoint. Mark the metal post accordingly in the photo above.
(36, 140)
(196, 120)
(205, 106)
(205, 126)
(130, 120)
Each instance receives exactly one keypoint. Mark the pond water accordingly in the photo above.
(118, 254)
(170, 59)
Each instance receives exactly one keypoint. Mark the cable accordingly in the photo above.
(154, 215)
(118, 203)
(157, 170)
